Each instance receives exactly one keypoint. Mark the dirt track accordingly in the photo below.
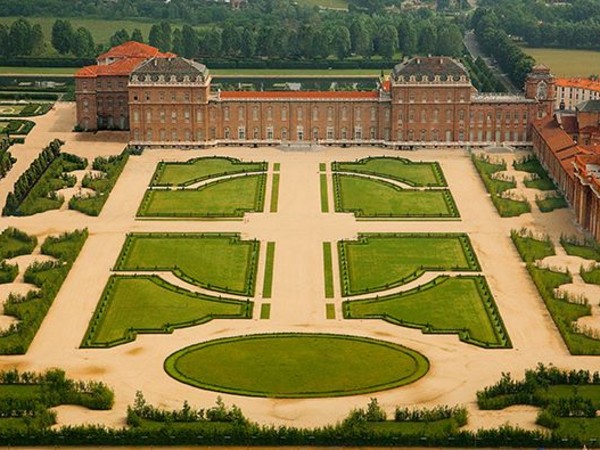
(458, 370)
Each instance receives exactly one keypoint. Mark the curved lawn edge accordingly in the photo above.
(421, 362)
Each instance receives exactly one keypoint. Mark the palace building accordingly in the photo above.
(164, 100)
(167, 101)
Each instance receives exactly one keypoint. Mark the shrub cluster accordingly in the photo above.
(30, 177)
(101, 184)
(48, 277)
(459, 413)
(6, 158)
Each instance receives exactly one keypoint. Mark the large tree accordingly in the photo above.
(62, 36)
(121, 36)
(387, 41)
(83, 43)
(190, 42)
(340, 41)
(20, 38)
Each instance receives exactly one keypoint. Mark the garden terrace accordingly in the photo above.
(14, 242)
(377, 262)
(378, 199)
(417, 174)
(224, 198)
(296, 365)
(587, 249)
(551, 202)
(220, 262)
(200, 169)
(16, 127)
(146, 304)
(102, 185)
(457, 305)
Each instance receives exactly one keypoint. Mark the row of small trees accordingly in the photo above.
(29, 178)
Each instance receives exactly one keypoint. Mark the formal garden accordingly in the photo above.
(296, 365)
(538, 179)
(392, 188)
(446, 305)
(16, 127)
(377, 262)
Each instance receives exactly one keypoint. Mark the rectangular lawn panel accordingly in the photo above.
(147, 304)
(199, 169)
(220, 262)
(274, 193)
(265, 311)
(328, 269)
(381, 261)
(531, 249)
(371, 198)
(330, 311)
(268, 279)
(424, 174)
(461, 305)
(229, 198)
(324, 194)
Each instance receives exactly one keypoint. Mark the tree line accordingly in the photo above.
(497, 43)
(293, 33)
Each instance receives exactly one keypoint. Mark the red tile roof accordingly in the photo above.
(300, 95)
(133, 49)
(561, 145)
(122, 67)
(581, 83)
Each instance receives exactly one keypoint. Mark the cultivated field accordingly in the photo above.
(567, 63)
(255, 289)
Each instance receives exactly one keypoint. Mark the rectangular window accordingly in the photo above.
(284, 113)
(329, 133)
(186, 116)
(270, 133)
(173, 116)
(373, 114)
(242, 133)
(199, 115)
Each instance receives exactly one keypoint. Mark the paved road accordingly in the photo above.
(473, 46)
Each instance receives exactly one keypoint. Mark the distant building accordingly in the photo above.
(568, 146)
(573, 91)
(101, 91)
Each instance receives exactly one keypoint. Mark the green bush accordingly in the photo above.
(531, 249)
(14, 242)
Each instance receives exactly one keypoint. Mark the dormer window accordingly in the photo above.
(401, 78)
(463, 79)
(413, 79)
(147, 78)
(199, 79)
(437, 79)
(161, 78)
(134, 78)
(424, 79)
(186, 79)
(173, 79)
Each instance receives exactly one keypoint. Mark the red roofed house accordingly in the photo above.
(101, 91)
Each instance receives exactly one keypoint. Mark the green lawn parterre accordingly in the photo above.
(375, 198)
(418, 174)
(531, 249)
(296, 365)
(200, 169)
(376, 262)
(220, 262)
(147, 304)
(227, 198)
(460, 305)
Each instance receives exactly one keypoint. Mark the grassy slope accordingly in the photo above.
(415, 174)
(180, 174)
(379, 198)
(142, 303)
(210, 261)
(567, 63)
(385, 261)
(454, 304)
(224, 198)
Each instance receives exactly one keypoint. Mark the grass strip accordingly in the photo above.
(322, 167)
(268, 280)
(276, 167)
(330, 311)
(275, 193)
(328, 270)
(265, 311)
(324, 196)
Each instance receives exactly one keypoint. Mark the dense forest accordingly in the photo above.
(264, 29)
